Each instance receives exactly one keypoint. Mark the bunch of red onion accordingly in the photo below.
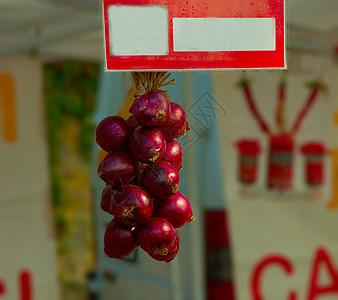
(141, 172)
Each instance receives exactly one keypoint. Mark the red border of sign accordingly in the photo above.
(204, 60)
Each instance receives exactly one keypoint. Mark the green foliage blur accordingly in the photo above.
(70, 93)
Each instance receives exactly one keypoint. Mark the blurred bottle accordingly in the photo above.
(248, 150)
(314, 153)
(218, 256)
(280, 169)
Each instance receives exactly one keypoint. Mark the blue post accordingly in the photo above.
(109, 100)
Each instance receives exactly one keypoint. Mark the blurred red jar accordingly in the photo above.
(280, 168)
(314, 153)
(248, 150)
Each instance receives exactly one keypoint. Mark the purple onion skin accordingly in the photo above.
(106, 199)
(132, 122)
(161, 180)
(147, 145)
(176, 124)
(117, 168)
(151, 109)
(119, 241)
(159, 239)
(131, 205)
(112, 133)
(174, 155)
(176, 209)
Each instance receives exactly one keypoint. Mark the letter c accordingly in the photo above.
(257, 274)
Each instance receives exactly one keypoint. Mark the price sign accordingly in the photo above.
(194, 34)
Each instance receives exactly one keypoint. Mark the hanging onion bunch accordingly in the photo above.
(141, 172)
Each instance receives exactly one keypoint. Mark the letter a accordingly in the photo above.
(323, 260)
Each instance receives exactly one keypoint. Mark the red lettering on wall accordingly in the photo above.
(25, 285)
(322, 260)
(2, 288)
(259, 269)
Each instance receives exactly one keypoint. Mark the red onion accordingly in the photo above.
(112, 133)
(106, 204)
(119, 241)
(147, 144)
(131, 205)
(177, 123)
(132, 122)
(176, 209)
(174, 155)
(159, 239)
(117, 168)
(161, 179)
(151, 109)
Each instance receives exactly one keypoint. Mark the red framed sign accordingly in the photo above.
(194, 34)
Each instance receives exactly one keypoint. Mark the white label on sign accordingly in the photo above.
(224, 34)
(138, 30)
